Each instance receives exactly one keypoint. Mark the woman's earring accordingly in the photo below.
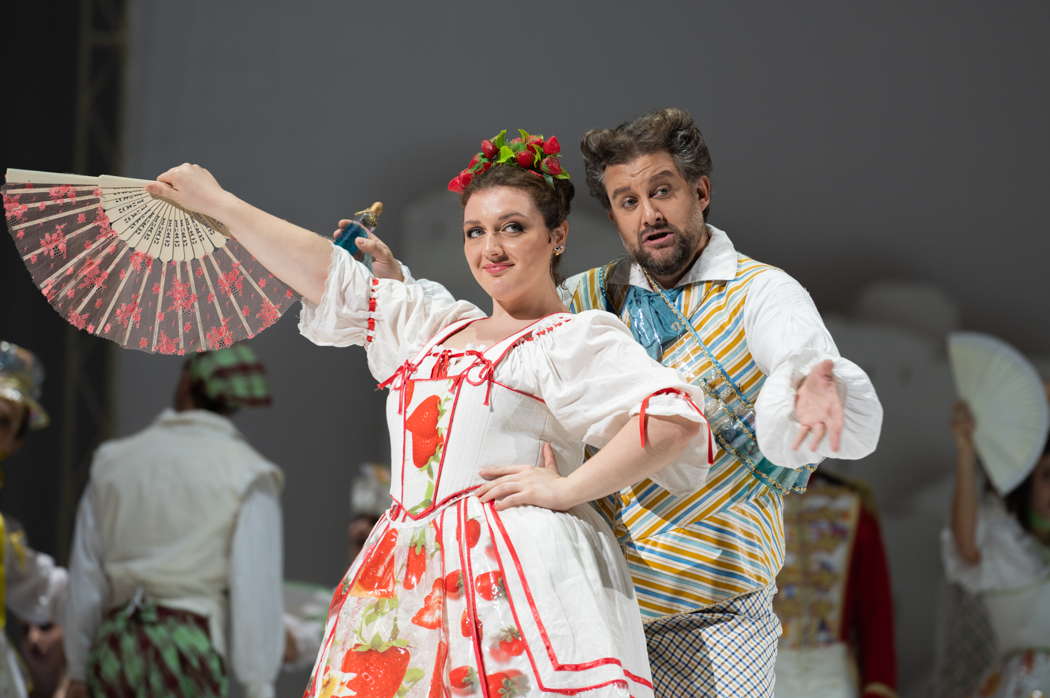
(559, 249)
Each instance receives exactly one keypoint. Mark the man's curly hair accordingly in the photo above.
(670, 130)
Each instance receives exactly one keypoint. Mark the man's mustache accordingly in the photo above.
(666, 228)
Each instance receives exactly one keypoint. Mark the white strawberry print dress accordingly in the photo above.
(450, 597)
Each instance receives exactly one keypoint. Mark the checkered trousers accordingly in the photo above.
(725, 650)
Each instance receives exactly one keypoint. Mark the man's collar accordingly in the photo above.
(204, 418)
(717, 262)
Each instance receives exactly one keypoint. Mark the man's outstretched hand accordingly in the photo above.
(384, 264)
(818, 408)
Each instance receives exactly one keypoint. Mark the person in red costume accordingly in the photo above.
(835, 601)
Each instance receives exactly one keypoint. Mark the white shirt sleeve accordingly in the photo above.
(88, 588)
(786, 336)
(256, 602)
(35, 585)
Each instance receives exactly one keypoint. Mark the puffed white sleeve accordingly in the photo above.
(431, 288)
(88, 587)
(787, 338)
(594, 377)
(391, 319)
(1010, 557)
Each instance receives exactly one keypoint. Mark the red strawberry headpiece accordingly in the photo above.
(530, 152)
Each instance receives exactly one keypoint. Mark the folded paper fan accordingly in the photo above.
(137, 270)
(1008, 400)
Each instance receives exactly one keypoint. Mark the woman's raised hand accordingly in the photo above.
(192, 187)
(384, 263)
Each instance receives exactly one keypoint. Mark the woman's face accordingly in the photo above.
(507, 244)
(1039, 494)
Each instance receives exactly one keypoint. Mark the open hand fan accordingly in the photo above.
(140, 271)
(1008, 401)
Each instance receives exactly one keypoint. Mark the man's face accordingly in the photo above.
(658, 214)
(44, 657)
(11, 416)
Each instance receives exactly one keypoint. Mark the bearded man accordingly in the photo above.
(779, 398)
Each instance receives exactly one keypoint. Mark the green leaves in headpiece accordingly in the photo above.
(528, 151)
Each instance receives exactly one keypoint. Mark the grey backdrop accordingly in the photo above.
(851, 142)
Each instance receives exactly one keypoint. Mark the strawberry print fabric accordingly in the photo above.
(449, 596)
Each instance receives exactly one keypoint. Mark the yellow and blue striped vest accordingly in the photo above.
(727, 539)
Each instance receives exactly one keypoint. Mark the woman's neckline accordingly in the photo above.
(478, 346)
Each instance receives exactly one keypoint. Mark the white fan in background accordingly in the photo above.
(140, 271)
(1009, 402)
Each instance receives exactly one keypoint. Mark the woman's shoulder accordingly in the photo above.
(576, 336)
(583, 321)
(578, 330)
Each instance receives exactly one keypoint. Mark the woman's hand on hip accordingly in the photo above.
(519, 485)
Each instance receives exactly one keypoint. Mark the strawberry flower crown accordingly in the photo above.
(531, 152)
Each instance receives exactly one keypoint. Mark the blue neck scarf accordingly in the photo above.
(653, 324)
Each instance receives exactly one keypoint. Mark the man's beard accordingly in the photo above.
(681, 254)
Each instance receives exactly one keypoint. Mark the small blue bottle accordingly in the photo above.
(361, 224)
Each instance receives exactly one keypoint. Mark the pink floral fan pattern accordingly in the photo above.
(142, 272)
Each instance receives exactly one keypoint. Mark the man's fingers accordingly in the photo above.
(802, 431)
(818, 435)
(835, 436)
(835, 426)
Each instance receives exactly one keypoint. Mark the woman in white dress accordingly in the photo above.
(486, 577)
(999, 550)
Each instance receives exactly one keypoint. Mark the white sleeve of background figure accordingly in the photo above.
(787, 338)
(35, 586)
(88, 589)
(256, 599)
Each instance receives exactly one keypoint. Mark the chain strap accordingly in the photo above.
(696, 336)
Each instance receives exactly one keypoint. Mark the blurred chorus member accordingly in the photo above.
(998, 548)
(834, 600)
(176, 564)
(45, 659)
(369, 498)
(306, 606)
(31, 586)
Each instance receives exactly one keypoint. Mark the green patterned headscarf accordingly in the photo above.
(232, 377)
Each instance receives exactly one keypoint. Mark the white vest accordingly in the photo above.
(166, 502)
